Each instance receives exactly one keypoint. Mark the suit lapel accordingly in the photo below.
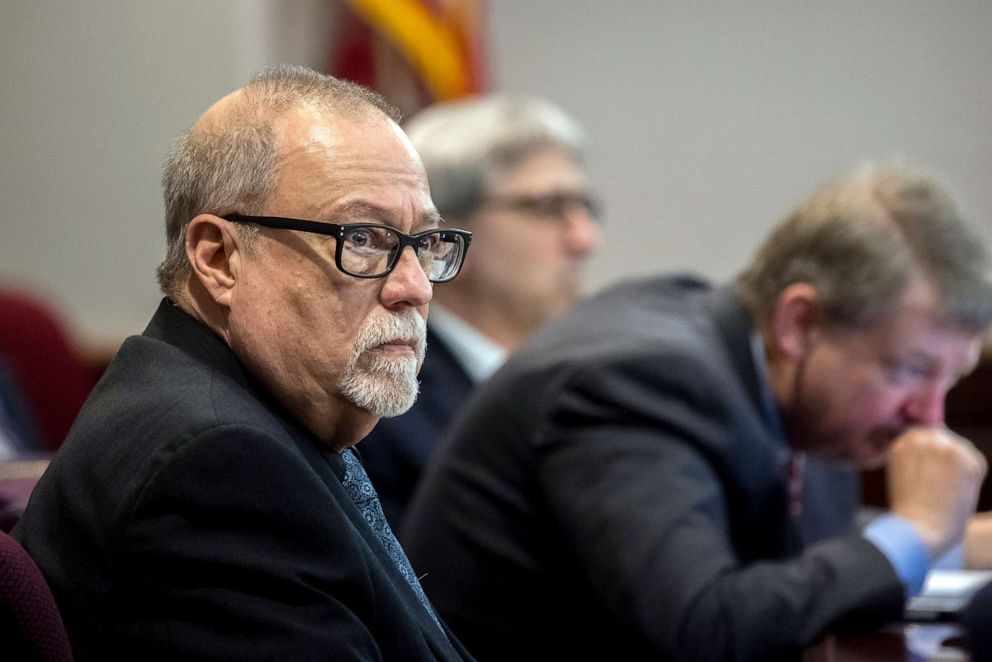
(736, 329)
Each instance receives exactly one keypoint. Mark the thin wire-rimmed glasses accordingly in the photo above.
(372, 250)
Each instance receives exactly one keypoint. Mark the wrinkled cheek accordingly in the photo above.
(882, 414)
(324, 366)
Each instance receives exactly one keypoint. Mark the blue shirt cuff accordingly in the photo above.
(896, 539)
(952, 560)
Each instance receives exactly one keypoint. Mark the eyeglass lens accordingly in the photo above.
(371, 251)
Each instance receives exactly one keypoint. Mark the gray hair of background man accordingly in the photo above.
(221, 169)
(859, 240)
(464, 144)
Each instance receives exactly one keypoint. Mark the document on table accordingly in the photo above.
(945, 592)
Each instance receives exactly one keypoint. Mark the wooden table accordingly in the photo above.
(902, 643)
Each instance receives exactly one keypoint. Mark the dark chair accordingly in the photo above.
(31, 629)
(39, 354)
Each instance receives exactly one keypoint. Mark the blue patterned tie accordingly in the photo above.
(359, 488)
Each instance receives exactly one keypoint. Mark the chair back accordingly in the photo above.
(31, 628)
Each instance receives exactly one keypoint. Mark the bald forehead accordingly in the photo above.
(316, 130)
(328, 164)
(248, 105)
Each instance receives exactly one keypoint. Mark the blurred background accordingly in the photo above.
(707, 121)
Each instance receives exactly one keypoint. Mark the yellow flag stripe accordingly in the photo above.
(431, 47)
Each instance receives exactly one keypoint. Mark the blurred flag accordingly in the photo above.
(414, 52)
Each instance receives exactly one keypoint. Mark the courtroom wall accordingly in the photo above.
(707, 121)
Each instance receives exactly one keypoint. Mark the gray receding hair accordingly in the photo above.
(859, 240)
(229, 166)
(464, 144)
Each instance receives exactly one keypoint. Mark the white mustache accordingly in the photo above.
(408, 327)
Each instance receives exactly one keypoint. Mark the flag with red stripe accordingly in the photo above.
(414, 52)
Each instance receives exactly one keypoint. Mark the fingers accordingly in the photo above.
(933, 478)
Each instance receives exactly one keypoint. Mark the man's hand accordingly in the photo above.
(933, 480)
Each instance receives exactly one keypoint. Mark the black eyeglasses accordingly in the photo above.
(371, 250)
(551, 205)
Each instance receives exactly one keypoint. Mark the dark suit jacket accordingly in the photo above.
(398, 449)
(615, 492)
(188, 518)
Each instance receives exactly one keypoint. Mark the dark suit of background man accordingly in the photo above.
(619, 489)
(511, 170)
(207, 504)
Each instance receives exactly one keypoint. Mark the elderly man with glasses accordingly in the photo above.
(207, 504)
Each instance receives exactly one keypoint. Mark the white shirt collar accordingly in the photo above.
(478, 355)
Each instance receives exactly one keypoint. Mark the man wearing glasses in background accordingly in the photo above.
(207, 504)
(511, 170)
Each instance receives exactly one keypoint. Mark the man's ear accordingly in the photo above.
(797, 319)
(214, 253)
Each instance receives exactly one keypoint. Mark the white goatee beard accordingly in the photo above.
(385, 386)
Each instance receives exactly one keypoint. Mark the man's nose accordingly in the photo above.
(582, 230)
(926, 405)
(407, 284)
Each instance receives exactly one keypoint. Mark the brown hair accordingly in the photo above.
(858, 241)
